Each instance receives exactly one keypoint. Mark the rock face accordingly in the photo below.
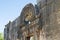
(39, 22)
(51, 20)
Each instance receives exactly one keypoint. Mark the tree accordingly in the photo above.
(1, 36)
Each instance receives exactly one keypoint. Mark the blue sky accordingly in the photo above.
(11, 9)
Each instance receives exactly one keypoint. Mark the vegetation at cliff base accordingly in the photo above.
(1, 36)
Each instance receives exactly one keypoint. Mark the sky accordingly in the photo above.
(10, 10)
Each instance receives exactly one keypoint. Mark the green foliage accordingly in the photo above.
(1, 36)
